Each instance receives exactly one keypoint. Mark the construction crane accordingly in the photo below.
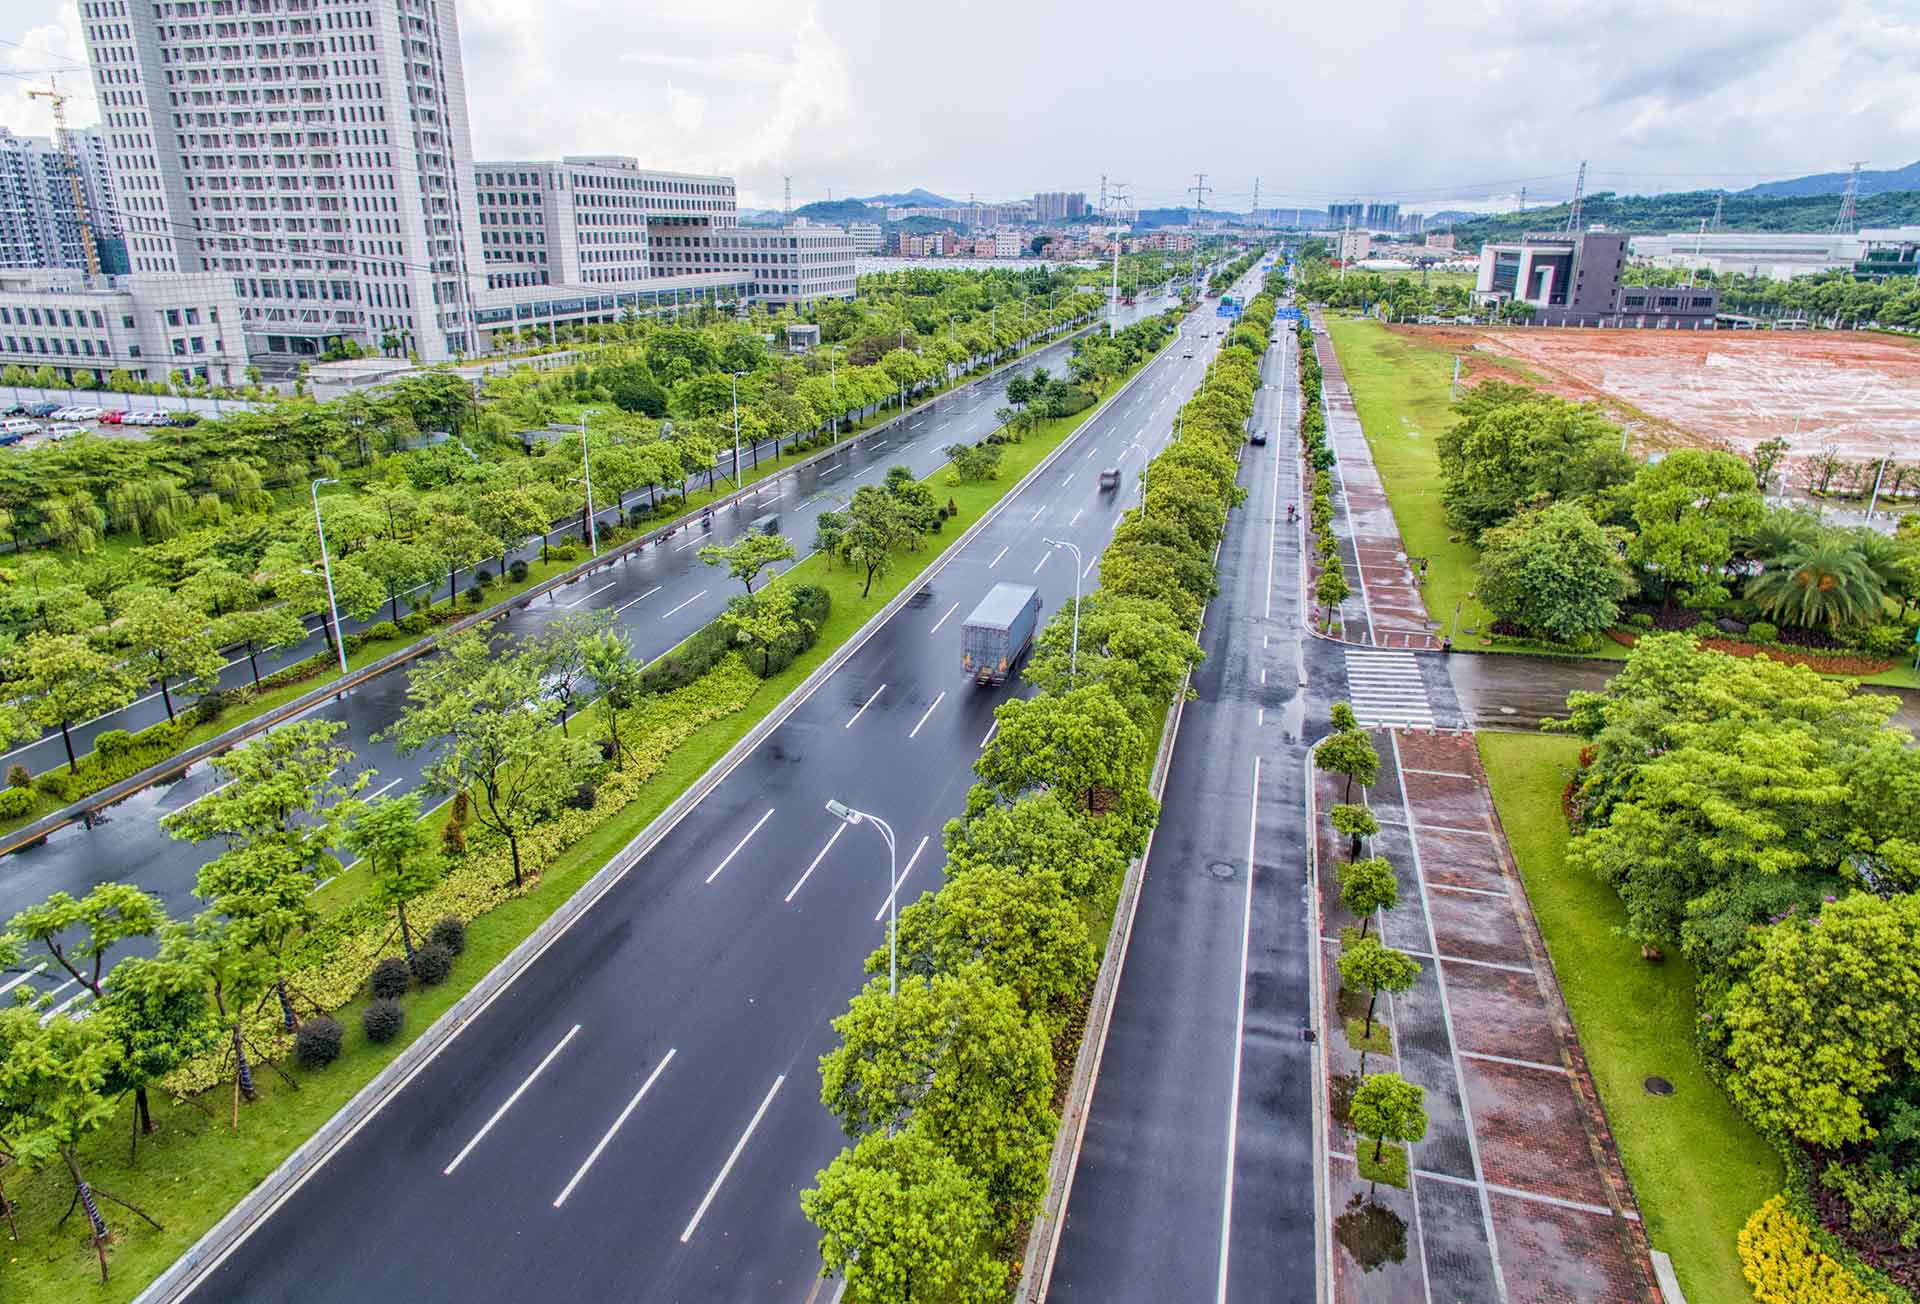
(71, 161)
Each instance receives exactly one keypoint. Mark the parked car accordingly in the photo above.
(183, 418)
(113, 416)
(83, 412)
(61, 432)
(41, 410)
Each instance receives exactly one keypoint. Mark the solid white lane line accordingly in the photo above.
(864, 705)
(1239, 1039)
(382, 788)
(644, 1088)
(989, 735)
(689, 602)
(642, 598)
(831, 839)
(507, 1104)
(17, 979)
(997, 556)
(881, 913)
(743, 842)
(738, 1146)
(943, 620)
(936, 702)
(596, 593)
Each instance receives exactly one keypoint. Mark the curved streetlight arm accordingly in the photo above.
(841, 811)
(326, 566)
(1073, 661)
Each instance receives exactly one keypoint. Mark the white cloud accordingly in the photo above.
(1399, 98)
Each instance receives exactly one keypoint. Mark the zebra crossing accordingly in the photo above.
(1385, 689)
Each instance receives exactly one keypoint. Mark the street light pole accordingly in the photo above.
(1146, 463)
(1073, 663)
(833, 379)
(841, 811)
(326, 566)
(1877, 477)
(586, 470)
(736, 429)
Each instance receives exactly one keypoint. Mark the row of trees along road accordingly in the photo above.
(946, 1090)
(1764, 821)
(1575, 536)
(493, 720)
(225, 552)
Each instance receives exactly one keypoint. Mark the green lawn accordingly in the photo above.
(195, 1169)
(1697, 1167)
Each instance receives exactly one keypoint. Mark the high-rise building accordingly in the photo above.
(39, 225)
(318, 154)
(1346, 214)
(1382, 217)
(1059, 205)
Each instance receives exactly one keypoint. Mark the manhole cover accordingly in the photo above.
(1219, 869)
(1658, 1086)
(1507, 710)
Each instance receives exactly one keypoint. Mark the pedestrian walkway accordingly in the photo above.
(1517, 1192)
(1386, 689)
(1396, 614)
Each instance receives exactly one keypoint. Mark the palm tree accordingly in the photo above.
(1823, 583)
(1780, 531)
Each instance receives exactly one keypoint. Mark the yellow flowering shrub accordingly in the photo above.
(1784, 1266)
(335, 959)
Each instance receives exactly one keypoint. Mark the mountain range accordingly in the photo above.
(1834, 183)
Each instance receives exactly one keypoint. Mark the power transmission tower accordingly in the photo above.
(1523, 199)
(1103, 193)
(1200, 190)
(1579, 193)
(1254, 216)
(1848, 221)
(1113, 295)
(1717, 205)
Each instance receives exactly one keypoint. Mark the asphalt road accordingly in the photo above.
(959, 415)
(659, 595)
(1196, 1176)
(660, 1151)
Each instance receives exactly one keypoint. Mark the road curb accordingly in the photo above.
(87, 807)
(187, 1272)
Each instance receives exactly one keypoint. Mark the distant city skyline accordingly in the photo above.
(1494, 99)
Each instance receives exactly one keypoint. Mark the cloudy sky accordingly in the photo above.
(1405, 99)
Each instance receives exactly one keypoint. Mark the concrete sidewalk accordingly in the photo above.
(1397, 616)
(1517, 1190)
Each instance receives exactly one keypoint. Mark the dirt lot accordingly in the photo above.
(1853, 392)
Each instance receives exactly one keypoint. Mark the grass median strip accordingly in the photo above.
(1698, 1169)
(194, 1169)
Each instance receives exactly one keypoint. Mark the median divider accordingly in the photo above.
(205, 1255)
(86, 808)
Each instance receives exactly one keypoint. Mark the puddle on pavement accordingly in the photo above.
(1340, 1089)
(1372, 1233)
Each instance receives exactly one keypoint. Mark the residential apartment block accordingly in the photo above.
(1059, 205)
(39, 224)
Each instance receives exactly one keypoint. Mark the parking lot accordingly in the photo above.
(30, 425)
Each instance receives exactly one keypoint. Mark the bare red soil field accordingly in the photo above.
(1852, 392)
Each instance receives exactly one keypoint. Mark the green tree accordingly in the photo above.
(1133, 645)
(1825, 582)
(1040, 833)
(1081, 743)
(1688, 509)
(1020, 926)
(397, 567)
(168, 639)
(259, 629)
(1366, 886)
(764, 621)
(1348, 752)
(160, 1014)
(1554, 572)
(399, 855)
(106, 916)
(1330, 590)
(955, 1055)
(1827, 1015)
(560, 653)
(65, 679)
(611, 664)
(487, 724)
(901, 1220)
(746, 557)
(1355, 823)
(1370, 967)
(223, 950)
(1389, 1108)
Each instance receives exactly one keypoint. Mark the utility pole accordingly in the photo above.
(1200, 188)
(1254, 215)
(1848, 221)
(1579, 192)
(1113, 295)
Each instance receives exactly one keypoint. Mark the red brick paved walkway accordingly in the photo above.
(1518, 1190)
(1398, 615)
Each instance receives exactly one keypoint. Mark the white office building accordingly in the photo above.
(794, 264)
(150, 326)
(39, 224)
(316, 153)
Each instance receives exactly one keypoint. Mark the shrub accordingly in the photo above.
(382, 630)
(475, 594)
(1760, 631)
(608, 750)
(453, 839)
(17, 776)
(518, 570)
(583, 797)
(415, 624)
(432, 963)
(1644, 620)
(565, 552)
(450, 934)
(389, 979)
(109, 742)
(15, 802)
(461, 807)
(317, 1042)
(1784, 1266)
(54, 783)
(382, 1019)
(207, 709)
(1886, 640)
(484, 578)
